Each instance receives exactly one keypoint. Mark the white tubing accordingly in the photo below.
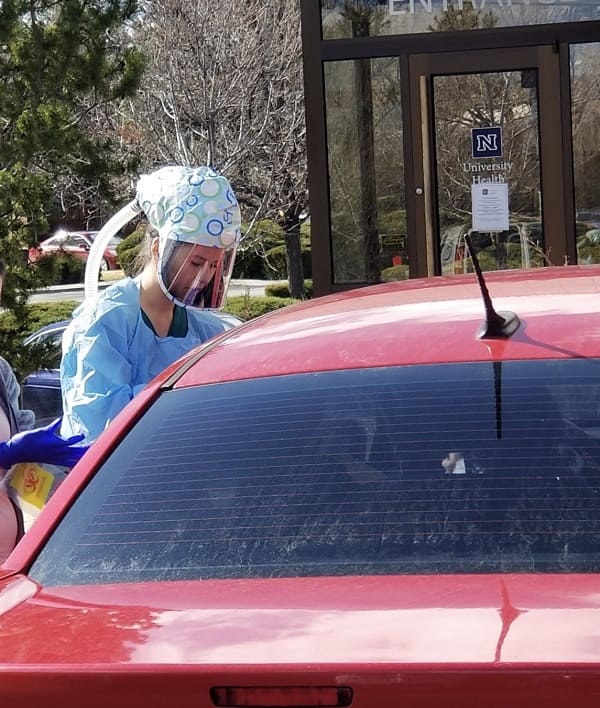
(96, 254)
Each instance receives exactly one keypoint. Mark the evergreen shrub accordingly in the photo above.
(128, 250)
(283, 289)
(249, 307)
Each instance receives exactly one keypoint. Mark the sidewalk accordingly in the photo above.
(254, 288)
(69, 287)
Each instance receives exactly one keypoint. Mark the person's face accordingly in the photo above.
(191, 267)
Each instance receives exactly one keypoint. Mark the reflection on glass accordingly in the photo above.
(486, 128)
(366, 170)
(585, 108)
(341, 18)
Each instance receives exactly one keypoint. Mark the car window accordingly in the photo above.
(53, 341)
(113, 242)
(55, 351)
(53, 337)
(77, 240)
(460, 468)
(53, 242)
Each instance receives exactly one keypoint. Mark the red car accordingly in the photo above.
(363, 500)
(78, 244)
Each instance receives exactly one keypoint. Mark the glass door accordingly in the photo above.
(487, 136)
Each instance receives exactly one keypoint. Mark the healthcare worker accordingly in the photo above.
(122, 339)
(43, 445)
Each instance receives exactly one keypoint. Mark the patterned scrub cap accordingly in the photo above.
(192, 204)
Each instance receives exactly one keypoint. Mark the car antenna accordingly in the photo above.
(497, 325)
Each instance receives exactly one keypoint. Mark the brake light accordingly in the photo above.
(283, 696)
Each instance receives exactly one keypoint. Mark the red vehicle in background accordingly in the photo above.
(78, 244)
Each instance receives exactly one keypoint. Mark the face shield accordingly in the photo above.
(198, 219)
(194, 275)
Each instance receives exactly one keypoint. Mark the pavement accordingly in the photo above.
(74, 291)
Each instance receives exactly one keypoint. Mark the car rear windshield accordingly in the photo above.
(461, 468)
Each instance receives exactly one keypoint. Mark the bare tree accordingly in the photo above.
(585, 100)
(223, 87)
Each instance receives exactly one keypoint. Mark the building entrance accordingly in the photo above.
(429, 120)
(485, 133)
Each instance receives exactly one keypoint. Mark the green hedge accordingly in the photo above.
(60, 268)
(588, 254)
(24, 360)
(283, 289)
(249, 307)
(394, 273)
(128, 249)
(40, 314)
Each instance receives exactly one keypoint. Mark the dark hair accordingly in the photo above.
(2, 268)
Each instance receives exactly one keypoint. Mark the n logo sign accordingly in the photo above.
(486, 142)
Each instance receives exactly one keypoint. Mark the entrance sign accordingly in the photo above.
(490, 206)
(486, 142)
(341, 18)
(488, 171)
(495, 7)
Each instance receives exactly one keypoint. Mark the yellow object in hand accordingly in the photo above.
(32, 483)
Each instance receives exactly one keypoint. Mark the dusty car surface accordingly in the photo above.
(358, 500)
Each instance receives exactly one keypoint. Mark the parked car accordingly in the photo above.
(366, 499)
(40, 390)
(78, 244)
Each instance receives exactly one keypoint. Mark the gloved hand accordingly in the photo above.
(42, 445)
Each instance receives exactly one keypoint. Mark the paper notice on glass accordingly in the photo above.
(490, 206)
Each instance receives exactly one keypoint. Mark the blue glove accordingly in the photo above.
(42, 445)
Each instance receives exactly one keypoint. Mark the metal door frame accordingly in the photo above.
(559, 231)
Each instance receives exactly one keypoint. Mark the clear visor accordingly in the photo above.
(194, 275)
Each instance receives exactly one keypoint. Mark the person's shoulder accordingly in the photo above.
(6, 371)
(5, 367)
(122, 291)
(205, 322)
(120, 300)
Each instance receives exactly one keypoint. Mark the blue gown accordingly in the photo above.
(109, 354)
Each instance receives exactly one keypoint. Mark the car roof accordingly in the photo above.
(89, 235)
(427, 321)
